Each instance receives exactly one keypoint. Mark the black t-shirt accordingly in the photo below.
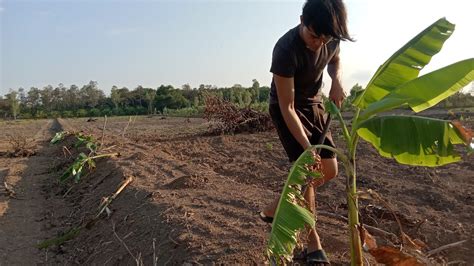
(291, 58)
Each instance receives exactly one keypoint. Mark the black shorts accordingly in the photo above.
(312, 118)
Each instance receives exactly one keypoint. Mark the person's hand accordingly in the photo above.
(337, 94)
(316, 167)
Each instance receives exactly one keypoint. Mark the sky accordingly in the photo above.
(217, 42)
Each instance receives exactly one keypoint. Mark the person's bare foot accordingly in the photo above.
(269, 210)
(265, 218)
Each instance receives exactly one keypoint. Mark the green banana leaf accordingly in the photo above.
(59, 136)
(413, 140)
(75, 170)
(291, 216)
(82, 139)
(406, 63)
(427, 90)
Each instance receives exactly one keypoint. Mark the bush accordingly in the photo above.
(54, 114)
(40, 114)
(118, 111)
(130, 110)
(261, 107)
(184, 112)
(94, 112)
(140, 110)
(81, 113)
(67, 114)
(26, 116)
(107, 112)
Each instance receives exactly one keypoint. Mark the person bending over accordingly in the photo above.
(296, 108)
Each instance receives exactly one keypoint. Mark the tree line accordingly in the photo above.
(90, 101)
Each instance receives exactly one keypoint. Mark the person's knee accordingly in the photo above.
(330, 174)
(330, 168)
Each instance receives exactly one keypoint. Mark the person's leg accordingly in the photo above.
(329, 169)
(313, 238)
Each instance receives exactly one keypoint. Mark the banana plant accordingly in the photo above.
(87, 140)
(76, 168)
(59, 136)
(411, 140)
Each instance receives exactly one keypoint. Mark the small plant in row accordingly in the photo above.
(83, 159)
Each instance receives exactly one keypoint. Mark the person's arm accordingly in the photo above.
(286, 94)
(336, 94)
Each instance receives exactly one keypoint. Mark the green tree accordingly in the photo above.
(72, 98)
(196, 101)
(46, 96)
(256, 91)
(115, 96)
(4, 107)
(34, 100)
(14, 103)
(58, 94)
(150, 96)
(186, 87)
(354, 92)
(246, 97)
(22, 98)
(91, 95)
(167, 96)
(264, 94)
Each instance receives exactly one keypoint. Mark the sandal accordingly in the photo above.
(317, 257)
(300, 255)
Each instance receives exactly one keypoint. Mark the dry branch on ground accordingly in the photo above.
(226, 117)
(21, 146)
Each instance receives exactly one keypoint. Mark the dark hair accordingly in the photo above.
(327, 17)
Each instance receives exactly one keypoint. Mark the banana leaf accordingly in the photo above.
(75, 170)
(59, 136)
(414, 140)
(82, 139)
(291, 215)
(92, 146)
(427, 90)
(406, 63)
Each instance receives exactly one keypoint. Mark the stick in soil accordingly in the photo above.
(371, 229)
(123, 243)
(155, 259)
(107, 200)
(66, 150)
(456, 262)
(103, 133)
(452, 245)
(379, 198)
(76, 230)
(126, 127)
